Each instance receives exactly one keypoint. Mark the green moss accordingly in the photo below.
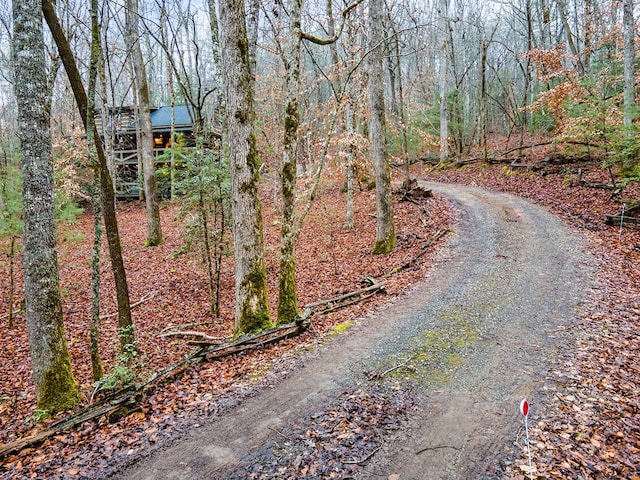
(58, 391)
(437, 353)
(340, 328)
(343, 327)
(153, 242)
(291, 119)
(384, 246)
(254, 313)
(287, 297)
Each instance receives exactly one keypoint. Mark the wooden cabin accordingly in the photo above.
(123, 128)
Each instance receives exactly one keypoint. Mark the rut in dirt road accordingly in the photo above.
(479, 334)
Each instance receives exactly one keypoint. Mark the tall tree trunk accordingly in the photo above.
(56, 389)
(546, 25)
(443, 15)
(630, 109)
(125, 324)
(287, 296)
(570, 36)
(351, 165)
(12, 279)
(253, 22)
(385, 232)
(483, 100)
(97, 370)
(252, 309)
(588, 33)
(154, 231)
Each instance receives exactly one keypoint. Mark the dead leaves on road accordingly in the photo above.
(336, 442)
(589, 424)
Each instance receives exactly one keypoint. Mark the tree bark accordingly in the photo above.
(385, 232)
(443, 15)
(125, 323)
(154, 230)
(97, 370)
(252, 310)
(56, 389)
(630, 109)
(287, 296)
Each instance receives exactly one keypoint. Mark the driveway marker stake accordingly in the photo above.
(524, 409)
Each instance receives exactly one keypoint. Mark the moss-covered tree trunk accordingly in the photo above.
(154, 231)
(252, 309)
(56, 389)
(125, 323)
(385, 232)
(97, 370)
(287, 295)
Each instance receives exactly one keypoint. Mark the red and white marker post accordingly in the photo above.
(524, 410)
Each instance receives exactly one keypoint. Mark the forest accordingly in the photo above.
(194, 191)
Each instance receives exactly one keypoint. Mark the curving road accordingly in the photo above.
(504, 289)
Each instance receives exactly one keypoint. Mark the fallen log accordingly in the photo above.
(629, 215)
(214, 351)
(189, 334)
(346, 299)
(121, 402)
(423, 250)
(618, 219)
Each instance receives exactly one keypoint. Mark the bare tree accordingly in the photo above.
(630, 109)
(443, 17)
(287, 297)
(125, 322)
(56, 389)
(385, 232)
(154, 231)
(252, 310)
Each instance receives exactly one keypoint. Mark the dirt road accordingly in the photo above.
(477, 336)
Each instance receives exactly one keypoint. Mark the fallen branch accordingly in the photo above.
(143, 299)
(190, 334)
(347, 298)
(423, 250)
(376, 375)
(213, 351)
(438, 447)
(121, 402)
(371, 454)
(630, 215)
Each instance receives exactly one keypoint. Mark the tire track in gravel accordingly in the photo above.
(512, 274)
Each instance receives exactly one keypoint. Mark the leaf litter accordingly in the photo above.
(587, 427)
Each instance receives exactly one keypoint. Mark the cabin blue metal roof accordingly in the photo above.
(183, 118)
(161, 119)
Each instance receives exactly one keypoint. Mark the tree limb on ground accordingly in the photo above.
(119, 403)
(144, 298)
(423, 250)
(346, 299)
(190, 335)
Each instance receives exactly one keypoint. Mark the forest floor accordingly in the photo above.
(589, 425)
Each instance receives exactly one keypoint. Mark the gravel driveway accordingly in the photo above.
(476, 336)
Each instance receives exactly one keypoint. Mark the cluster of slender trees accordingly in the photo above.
(299, 87)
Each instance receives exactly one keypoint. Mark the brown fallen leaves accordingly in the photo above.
(334, 443)
(331, 260)
(588, 426)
